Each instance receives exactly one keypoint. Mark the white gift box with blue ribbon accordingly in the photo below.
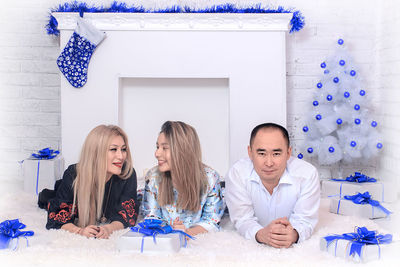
(340, 248)
(132, 242)
(11, 236)
(381, 191)
(153, 236)
(360, 204)
(43, 171)
(361, 246)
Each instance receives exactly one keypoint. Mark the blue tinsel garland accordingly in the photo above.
(297, 20)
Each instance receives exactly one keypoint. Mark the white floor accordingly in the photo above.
(225, 248)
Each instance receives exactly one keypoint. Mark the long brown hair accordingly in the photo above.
(92, 172)
(187, 169)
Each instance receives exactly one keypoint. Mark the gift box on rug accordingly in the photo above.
(358, 205)
(40, 173)
(381, 191)
(13, 243)
(361, 246)
(136, 242)
(153, 235)
(11, 236)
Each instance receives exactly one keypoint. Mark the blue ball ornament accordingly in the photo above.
(342, 62)
(326, 71)
(340, 41)
(310, 150)
(323, 65)
(300, 156)
(336, 80)
(353, 73)
(346, 94)
(318, 117)
(357, 121)
(353, 143)
(362, 93)
(315, 103)
(379, 145)
(339, 121)
(329, 97)
(374, 124)
(319, 85)
(357, 107)
(331, 149)
(305, 129)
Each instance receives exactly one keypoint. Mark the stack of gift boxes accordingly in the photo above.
(362, 196)
(337, 189)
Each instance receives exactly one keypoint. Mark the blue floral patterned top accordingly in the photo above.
(212, 204)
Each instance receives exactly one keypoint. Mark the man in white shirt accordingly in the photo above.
(273, 198)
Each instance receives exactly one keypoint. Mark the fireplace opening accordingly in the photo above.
(146, 103)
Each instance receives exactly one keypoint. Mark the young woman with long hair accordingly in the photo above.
(182, 190)
(98, 194)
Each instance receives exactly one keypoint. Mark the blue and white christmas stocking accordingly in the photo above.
(74, 60)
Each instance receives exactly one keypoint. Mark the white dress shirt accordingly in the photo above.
(252, 207)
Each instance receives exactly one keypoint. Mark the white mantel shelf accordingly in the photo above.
(179, 21)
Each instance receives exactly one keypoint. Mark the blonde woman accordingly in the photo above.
(181, 190)
(98, 194)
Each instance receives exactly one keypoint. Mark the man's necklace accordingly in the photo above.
(103, 218)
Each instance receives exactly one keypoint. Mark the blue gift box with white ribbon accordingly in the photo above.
(361, 245)
(381, 191)
(41, 170)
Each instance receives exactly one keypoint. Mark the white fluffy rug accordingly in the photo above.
(225, 248)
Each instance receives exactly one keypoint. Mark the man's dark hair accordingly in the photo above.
(270, 125)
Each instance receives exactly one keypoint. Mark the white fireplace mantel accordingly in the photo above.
(179, 21)
(223, 73)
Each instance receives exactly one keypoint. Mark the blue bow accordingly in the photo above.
(153, 227)
(46, 153)
(361, 237)
(10, 229)
(365, 198)
(358, 177)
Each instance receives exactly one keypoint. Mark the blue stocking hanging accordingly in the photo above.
(74, 60)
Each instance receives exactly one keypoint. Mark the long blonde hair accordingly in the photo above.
(187, 169)
(92, 172)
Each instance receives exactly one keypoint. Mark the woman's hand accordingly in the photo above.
(89, 231)
(178, 225)
(195, 230)
(104, 232)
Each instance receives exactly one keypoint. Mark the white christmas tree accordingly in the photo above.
(339, 127)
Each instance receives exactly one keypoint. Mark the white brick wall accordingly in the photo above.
(29, 78)
(388, 44)
(29, 86)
